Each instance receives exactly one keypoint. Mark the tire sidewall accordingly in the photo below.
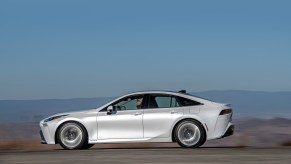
(84, 137)
(202, 138)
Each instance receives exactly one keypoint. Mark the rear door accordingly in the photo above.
(160, 113)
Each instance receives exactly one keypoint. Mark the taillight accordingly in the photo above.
(225, 111)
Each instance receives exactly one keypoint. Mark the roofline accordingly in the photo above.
(154, 91)
(186, 95)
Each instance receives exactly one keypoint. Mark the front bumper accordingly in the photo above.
(45, 134)
(42, 139)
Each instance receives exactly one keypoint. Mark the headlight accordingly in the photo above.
(54, 117)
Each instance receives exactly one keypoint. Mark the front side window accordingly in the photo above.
(129, 103)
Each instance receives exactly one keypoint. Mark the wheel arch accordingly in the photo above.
(69, 121)
(187, 119)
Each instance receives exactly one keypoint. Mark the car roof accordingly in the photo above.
(155, 91)
(181, 93)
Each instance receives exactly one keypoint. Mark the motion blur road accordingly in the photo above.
(151, 155)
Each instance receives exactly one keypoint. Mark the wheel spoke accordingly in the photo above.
(189, 134)
(71, 135)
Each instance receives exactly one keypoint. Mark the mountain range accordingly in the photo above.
(244, 103)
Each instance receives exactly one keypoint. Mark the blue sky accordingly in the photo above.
(66, 49)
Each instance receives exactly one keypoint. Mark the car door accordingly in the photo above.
(161, 112)
(125, 122)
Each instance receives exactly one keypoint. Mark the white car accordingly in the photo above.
(151, 116)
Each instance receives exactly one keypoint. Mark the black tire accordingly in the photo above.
(190, 134)
(72, 129)
(87, 146)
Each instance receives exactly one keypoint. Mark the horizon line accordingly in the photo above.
(227, 90)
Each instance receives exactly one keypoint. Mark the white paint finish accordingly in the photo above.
(221, 125)
(148, 125)
(158, 122)
(90, 123)
(122, 125)
(46, 133)
(194, 109)
(209, 115)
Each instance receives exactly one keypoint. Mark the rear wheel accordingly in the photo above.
(72, 135)
(87, 146)
(190, 134)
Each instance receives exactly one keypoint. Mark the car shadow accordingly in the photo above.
(154, 147)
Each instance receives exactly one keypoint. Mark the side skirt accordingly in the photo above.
(132, 140)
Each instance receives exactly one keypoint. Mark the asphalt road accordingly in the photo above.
(280, 155)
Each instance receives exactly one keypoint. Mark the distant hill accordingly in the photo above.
(244, 103)
(253, 103)
(35, 110)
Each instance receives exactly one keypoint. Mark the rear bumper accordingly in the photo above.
(229, 131)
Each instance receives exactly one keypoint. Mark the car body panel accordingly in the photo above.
(158, 122)
(122, 125)
(142, 125)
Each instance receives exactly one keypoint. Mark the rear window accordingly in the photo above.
(187, 102)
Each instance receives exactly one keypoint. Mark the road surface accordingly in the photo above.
(280, 155)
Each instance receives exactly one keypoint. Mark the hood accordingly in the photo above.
(75, 112)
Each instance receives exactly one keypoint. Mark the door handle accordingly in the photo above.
(136, 114)
(173, 112)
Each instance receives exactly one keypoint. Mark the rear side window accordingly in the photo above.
(186, 102)
(169, 101)
(162, 101)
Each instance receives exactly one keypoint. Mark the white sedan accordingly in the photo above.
(151, 116)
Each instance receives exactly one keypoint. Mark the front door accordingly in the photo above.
(125, 122)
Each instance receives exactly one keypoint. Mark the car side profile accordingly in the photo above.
(149, 116)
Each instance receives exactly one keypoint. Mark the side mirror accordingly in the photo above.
(110, 109)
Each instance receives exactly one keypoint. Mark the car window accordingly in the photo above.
(186, 102)
(175, 102)
(129, 103)
(162, 101)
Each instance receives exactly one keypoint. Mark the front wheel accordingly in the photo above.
(190, 134)
(72, 135)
